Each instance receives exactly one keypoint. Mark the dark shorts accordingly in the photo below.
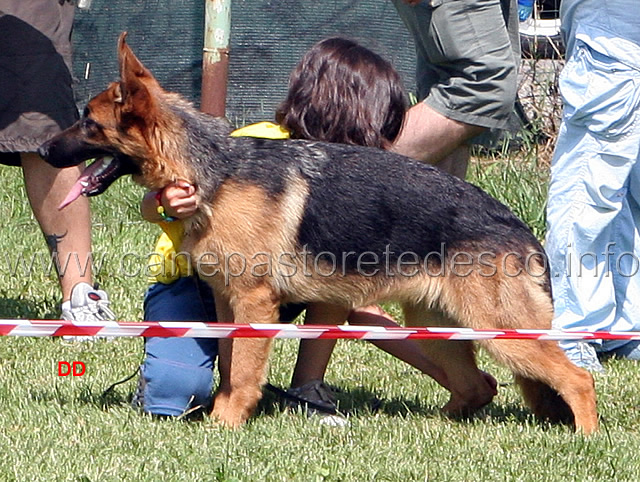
(468, 52)
(36, 96)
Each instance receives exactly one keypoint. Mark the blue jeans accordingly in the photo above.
(593, 214)
(178, 372)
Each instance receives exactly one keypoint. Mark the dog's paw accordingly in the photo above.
(228, 418)
(465, 406)
(227, 413)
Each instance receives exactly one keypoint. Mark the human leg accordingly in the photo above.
(592, 211)
(67, 231)
(409, 351)
(466, 74)
(314, 355)
(432, 137)
(177, 373)
(68, 236)
(627, 284)
(37, 99)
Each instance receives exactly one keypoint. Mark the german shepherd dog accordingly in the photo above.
(300, 221)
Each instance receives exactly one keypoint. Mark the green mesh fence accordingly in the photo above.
(267, 39)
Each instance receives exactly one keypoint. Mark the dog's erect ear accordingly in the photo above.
(130, 66)
(136, 81)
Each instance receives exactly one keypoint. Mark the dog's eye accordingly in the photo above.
(90, 126)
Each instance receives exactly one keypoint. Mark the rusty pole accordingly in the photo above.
(215, 58)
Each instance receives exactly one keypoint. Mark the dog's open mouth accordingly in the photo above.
(95, 179)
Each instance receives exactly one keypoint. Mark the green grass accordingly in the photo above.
(64, 428)
(516, 179)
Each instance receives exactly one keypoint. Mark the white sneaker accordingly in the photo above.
(87, 304)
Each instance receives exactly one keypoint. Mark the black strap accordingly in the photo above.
(114, 385)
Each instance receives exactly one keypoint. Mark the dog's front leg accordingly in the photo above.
(224, 314)
(243, 361)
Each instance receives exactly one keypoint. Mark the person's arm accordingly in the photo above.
(177, 199)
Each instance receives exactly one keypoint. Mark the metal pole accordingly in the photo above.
(215, 59)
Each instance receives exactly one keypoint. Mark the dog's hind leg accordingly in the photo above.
(553, 387)
(469, 387)
(243, 362)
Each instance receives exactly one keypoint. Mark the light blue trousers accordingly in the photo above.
(593, 213)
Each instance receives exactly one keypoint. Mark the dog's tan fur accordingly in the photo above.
(242, 217)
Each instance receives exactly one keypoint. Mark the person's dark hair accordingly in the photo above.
(343, 92)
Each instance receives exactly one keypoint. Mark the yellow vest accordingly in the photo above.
(166, 264)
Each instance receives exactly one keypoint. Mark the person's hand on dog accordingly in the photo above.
(177, 199)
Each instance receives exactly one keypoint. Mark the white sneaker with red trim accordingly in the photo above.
(87, 304)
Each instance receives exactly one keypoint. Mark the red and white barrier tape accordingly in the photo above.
(167, 329)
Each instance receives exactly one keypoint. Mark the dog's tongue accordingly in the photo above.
(79, 187)
(74, 193)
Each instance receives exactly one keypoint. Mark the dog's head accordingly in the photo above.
(116, 129)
